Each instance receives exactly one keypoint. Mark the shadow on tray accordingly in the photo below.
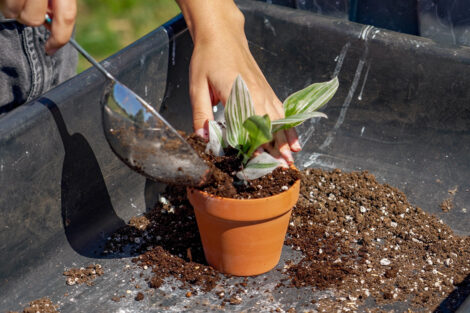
(453, 302)
(87, 211)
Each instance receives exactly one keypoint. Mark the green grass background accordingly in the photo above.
(103, 27)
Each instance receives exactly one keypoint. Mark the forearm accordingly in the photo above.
(207, 19)
(220, 54)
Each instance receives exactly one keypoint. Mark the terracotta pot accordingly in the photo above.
(243, 237)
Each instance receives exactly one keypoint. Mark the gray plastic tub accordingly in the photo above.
(402, 112)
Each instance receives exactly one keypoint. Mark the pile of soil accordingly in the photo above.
(165, 264)
(365, 239)
(166, 239)
(43, 305)
(224, 182)
(359, 238)
(83, 275)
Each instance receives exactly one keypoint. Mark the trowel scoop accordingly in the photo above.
(142, 138)
(146, 142)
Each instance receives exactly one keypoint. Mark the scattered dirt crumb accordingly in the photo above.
(43, 305)
(83, 275)
(235, 300)
(139, 296)
(446, 205)
(116, 299)
(139, 222)
(453, 191)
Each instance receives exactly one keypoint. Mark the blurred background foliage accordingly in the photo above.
(106, 26)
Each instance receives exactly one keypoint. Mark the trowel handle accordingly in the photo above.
(85, 54)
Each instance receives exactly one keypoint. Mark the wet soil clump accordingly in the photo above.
(224, 182)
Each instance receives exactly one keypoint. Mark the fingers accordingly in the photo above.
(258, 151)
(283, 144)
(293, 140)
(202, 106)
(280, 143)
(63, 21)
(33, 13)
(12, 8)
(272, 150)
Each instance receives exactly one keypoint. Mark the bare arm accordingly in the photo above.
(220, 53)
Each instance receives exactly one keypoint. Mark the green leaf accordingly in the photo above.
(310, 98)
(238, 108)
(258, 166)
(263, 165)
(259, 132)
(216, 139)
(294, 120)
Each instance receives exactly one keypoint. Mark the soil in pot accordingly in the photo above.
(359, 238)
(224, 182)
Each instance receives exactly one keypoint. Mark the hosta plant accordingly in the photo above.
(245, 131)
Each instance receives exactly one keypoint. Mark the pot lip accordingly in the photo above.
(208, 195)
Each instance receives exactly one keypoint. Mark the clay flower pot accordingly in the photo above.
(243, 237)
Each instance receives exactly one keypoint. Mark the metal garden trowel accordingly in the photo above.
(142, 138)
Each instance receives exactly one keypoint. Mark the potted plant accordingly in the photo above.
(244, 237)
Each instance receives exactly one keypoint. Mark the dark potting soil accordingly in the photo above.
(83, 275)
(358, 238)
(377, 244)
(167, 240)
(224, 182)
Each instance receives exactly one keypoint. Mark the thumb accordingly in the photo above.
(201, 105)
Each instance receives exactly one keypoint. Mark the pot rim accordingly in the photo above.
(245, 210)
(209, 195)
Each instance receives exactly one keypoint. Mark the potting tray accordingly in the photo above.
(401, 112)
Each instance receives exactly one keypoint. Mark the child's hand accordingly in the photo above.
(220, 53)
(33, 12)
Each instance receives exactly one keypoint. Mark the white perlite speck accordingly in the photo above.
(163, 200)
(70, 281)
(385, 262)
(284, 188)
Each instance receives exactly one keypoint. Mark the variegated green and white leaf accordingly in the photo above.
(216, 143)
(238, 108)
(259, 166)
(310, 98)
(259, 132)
(294, 120)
